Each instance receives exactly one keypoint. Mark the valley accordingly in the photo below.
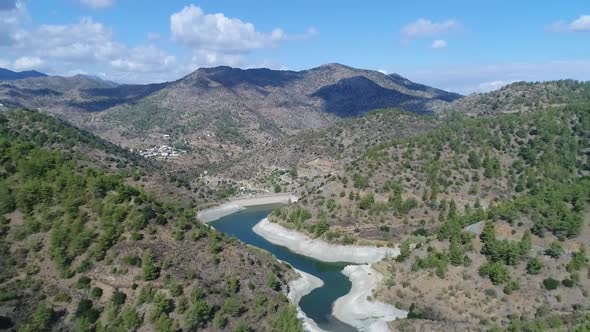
(402, 207)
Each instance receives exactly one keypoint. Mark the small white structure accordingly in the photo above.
(161, 152)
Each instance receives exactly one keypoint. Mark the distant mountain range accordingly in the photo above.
(332, 88)
(9, 75)
(237, 109)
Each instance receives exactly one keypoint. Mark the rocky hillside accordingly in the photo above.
(491, 215)
(522, 97)
(296, 160)
(220, 113)
(9, 75)
(83, 248)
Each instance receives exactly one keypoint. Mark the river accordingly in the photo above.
(317, 305)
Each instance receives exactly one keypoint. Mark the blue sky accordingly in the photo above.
(463, 46)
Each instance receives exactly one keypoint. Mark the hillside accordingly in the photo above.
(313, 154)
(491, 215)
(9, 75)
(522, 97)
(71, 96)
(83, 250)
(155, 177)
(220, 113)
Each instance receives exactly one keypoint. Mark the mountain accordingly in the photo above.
(522, 97)
(70, 95)
(86, 246)
(9, 75)
(220, 113)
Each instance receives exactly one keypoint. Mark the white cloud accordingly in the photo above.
(144, 59)
(439, 43)
(85, 41)
(28, 63)
(382, 71)
(581, 24)
(97, 4)
(216, 39)
(426, 28)
(193, 28)
(89, 46)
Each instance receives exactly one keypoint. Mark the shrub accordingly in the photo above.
(534, 266)
(555, 250)
(569, 283)
(83, 282)
(86, 310)
(404, 251)
(491, 292)
(550, 284)
(96, 292)
(232, 307)
(118, 298)
(511, 286)
(496, 271)
(274, 283)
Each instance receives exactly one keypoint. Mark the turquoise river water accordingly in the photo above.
(317, 305)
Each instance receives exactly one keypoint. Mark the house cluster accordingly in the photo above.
(161, 152)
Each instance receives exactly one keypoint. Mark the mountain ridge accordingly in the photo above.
(9, 75)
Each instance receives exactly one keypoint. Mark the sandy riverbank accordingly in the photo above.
(239, 204)
(298, 288)
(318, 249)
(355, 309)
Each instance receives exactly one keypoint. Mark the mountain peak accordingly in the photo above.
(334, 66)
(9, 75)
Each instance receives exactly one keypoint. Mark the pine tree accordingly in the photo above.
(148, 266)
(525, 243)
(456, 251)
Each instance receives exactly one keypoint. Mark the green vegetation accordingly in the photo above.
(68, 210)
(550, 283)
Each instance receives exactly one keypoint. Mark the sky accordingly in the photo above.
(464, 46)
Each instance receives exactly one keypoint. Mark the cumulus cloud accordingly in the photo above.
(216, 32)
(439, 43)
(581, 24)
(97, 4)
(216, 39)
(89, 46)
(85, 41)
(423, 27)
